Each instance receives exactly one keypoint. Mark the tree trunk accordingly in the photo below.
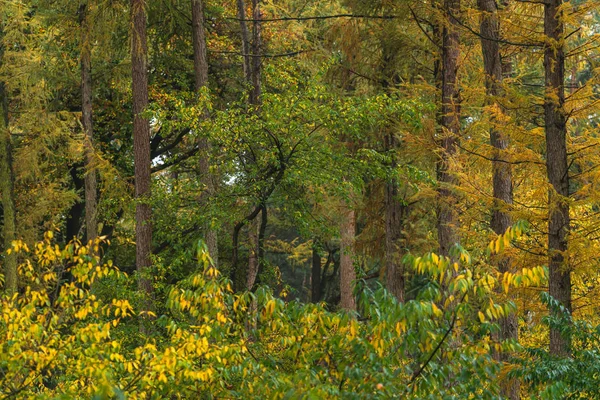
(252, 253)
(75, 214)
(315, 276)
(256, 52)
(245, 36)
(447, 223)
(347, 272)
(141, 150)
(86, 121)
(7, 189)
(201, 80)
(501, 171)
(394, 221)
(556, 166)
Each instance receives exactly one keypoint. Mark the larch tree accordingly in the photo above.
(91, 203)
(502, 185)
(347, 254)
(557, 166)
(7, 188)
(141, 150)
(447, 223)
(200, 82)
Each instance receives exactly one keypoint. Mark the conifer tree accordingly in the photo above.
(141, 149)
(556, 166)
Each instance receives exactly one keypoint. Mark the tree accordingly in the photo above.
(501, 167)
(449, 127)
(7, 187)
(347, 254)
(86, 120)
(200, 82)
(141, 149)
(556, 166)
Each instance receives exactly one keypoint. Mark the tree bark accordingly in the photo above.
(347, 272)
(501, 171)
(200, 81)
(394, 220)
(252, 253)
(395, 209)
(315, 276)
(447, 222)
(556, 166)
(245, 36)
(141, 149)
(9, 230)
(256, 52)
(86, 121)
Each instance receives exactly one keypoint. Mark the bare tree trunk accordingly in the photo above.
(315, 276)
(501, 171)
(256, 52)
(394, 221)
(556, 166)
(7, 188)
(395, 210)
(245, 35)
(447, 223)
(141, 150)
(347, 272)
(201, 80)
(86, 121)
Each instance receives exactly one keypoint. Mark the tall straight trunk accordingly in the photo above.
(395, 209)
(556, 166)
(395, 212)
(245, 36)
(200, 81)
(256, 54)
(347, 272)
(141, 150)
(86, 121)
(315, 276)
(252, 73)
(501, 171)
(7, 188)
(447, 223)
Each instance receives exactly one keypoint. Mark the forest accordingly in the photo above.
(299, 199)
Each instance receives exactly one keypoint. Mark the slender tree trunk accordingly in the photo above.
(245, 36)
(501, 171)
(315, 276)
(86, 121)
(9, 230)
(201, 80)
(74, 217)
(256, 52)
(394, 221)
(395, 210)
(141, 149)
(252, 253)
(450, 128)
(347, 272)
(556, 166)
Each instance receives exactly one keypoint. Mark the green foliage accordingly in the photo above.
(63, 339)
